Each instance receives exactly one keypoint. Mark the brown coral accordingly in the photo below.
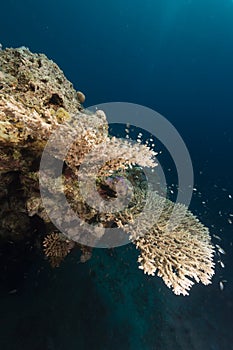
(86, 254)
(81, 97)
(56, 248)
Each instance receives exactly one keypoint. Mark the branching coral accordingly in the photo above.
(56, 247)
(180, 254)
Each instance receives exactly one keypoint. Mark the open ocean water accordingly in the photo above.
(175, 57)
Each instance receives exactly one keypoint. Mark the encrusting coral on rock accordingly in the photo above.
(35, 100)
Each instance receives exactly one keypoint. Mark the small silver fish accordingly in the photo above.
(217, 237)
(222, 251)
(221, 285)
(13, 291)
(221, 264)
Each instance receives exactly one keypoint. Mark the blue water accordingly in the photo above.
(175, 57)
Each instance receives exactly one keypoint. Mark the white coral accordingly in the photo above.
(181, 254)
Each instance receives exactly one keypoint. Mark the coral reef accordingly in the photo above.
(35, 101)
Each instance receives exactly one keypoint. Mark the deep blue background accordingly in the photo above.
(175, 57)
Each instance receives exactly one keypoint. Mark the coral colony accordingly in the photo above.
(35, 98)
